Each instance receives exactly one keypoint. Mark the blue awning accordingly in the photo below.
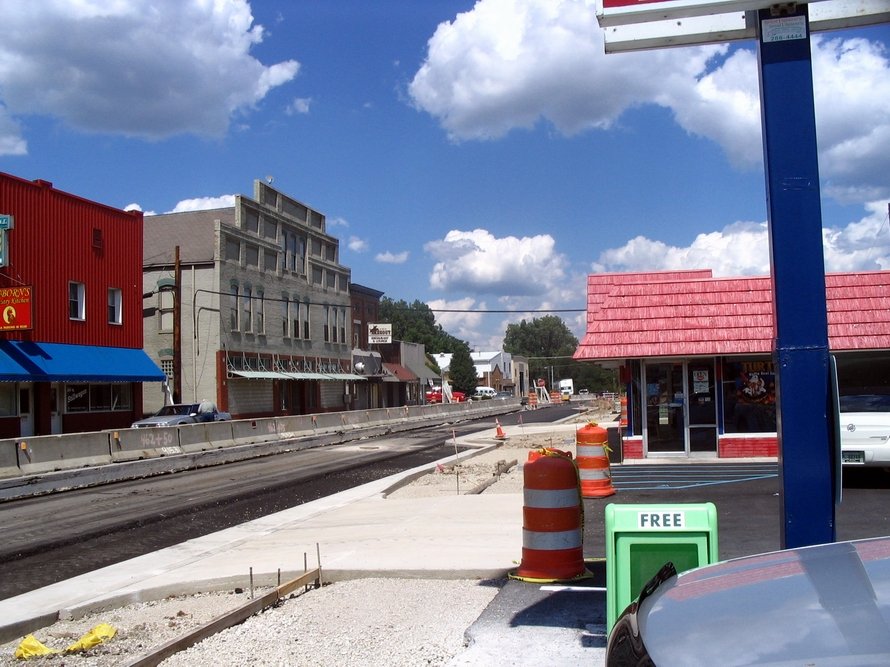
(26, 361)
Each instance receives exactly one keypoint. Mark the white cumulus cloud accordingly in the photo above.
(391, 257)
(357, 244)
(299, 105)
(477, 261)
(509, 64)
(204, 203)
(137, 68)
(742, 248)
(460, 317)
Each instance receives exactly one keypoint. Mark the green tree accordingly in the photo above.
(549, 344)
(462, 371)
(546, 336)
(416, 323)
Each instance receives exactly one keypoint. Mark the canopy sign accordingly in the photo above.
(631, 25)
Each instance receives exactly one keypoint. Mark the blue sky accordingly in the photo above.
(476, 156)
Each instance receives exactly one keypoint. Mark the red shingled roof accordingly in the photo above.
(688, 313)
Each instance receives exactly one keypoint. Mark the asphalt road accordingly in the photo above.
(50, 538)
(53, 537)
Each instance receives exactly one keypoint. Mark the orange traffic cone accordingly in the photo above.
(499, 434)
(593, 462)
(553, 521)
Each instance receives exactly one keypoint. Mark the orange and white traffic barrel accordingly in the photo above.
(532, 400)
(552, 531)
(591, 455)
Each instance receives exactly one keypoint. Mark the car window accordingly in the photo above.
(865, 403)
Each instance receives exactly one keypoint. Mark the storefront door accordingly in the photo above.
(702, 434)
(681, 414)
(26, 412)
(665, 411)
(55, 410)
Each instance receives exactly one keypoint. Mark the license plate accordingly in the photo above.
(853, 457)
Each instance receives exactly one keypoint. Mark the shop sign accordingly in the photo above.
(379, 334)
(15, 308)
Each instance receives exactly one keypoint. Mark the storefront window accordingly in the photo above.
(749, 393)
(100, 397)
(77, 398)
(7, 399)
(97, 397)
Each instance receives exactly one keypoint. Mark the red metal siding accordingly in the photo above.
(53, 243)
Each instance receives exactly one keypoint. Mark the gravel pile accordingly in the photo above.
(361, 622)
(367, 622)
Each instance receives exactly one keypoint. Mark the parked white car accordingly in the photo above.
(865, 430)
(485, 392)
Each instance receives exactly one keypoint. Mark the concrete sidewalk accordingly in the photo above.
(357, 533)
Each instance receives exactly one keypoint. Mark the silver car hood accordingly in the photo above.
(821, 605)
(162, 421)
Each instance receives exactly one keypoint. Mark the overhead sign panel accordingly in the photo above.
(737, 25)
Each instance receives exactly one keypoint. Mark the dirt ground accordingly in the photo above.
(499, 470)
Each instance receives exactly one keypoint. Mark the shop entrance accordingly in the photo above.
(681, 415)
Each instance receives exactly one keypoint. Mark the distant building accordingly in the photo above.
(407, 373)
(498, 370)
(366, 362)
(695, 355)
(264, 323)
(494, 369)
(71, 357)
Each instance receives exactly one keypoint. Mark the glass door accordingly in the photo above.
(665, 408)
(702, 407)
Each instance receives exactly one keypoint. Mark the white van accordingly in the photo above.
(485, 392)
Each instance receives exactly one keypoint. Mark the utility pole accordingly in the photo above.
(177, 328)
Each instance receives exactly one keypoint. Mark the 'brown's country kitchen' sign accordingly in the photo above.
(15, 308)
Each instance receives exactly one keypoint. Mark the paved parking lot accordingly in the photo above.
(747, 499)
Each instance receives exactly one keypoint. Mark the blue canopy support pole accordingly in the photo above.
(798, 277)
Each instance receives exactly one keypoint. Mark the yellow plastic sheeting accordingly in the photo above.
(31, 647)
(100, 633)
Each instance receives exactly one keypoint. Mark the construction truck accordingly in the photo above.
(566, 389)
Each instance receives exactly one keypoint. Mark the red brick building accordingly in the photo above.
(695, 355)
(71, 357)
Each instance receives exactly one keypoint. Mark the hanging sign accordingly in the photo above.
(15, 308)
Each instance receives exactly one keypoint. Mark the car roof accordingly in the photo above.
(789, 606)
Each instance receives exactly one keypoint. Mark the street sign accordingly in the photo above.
(7, 221)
